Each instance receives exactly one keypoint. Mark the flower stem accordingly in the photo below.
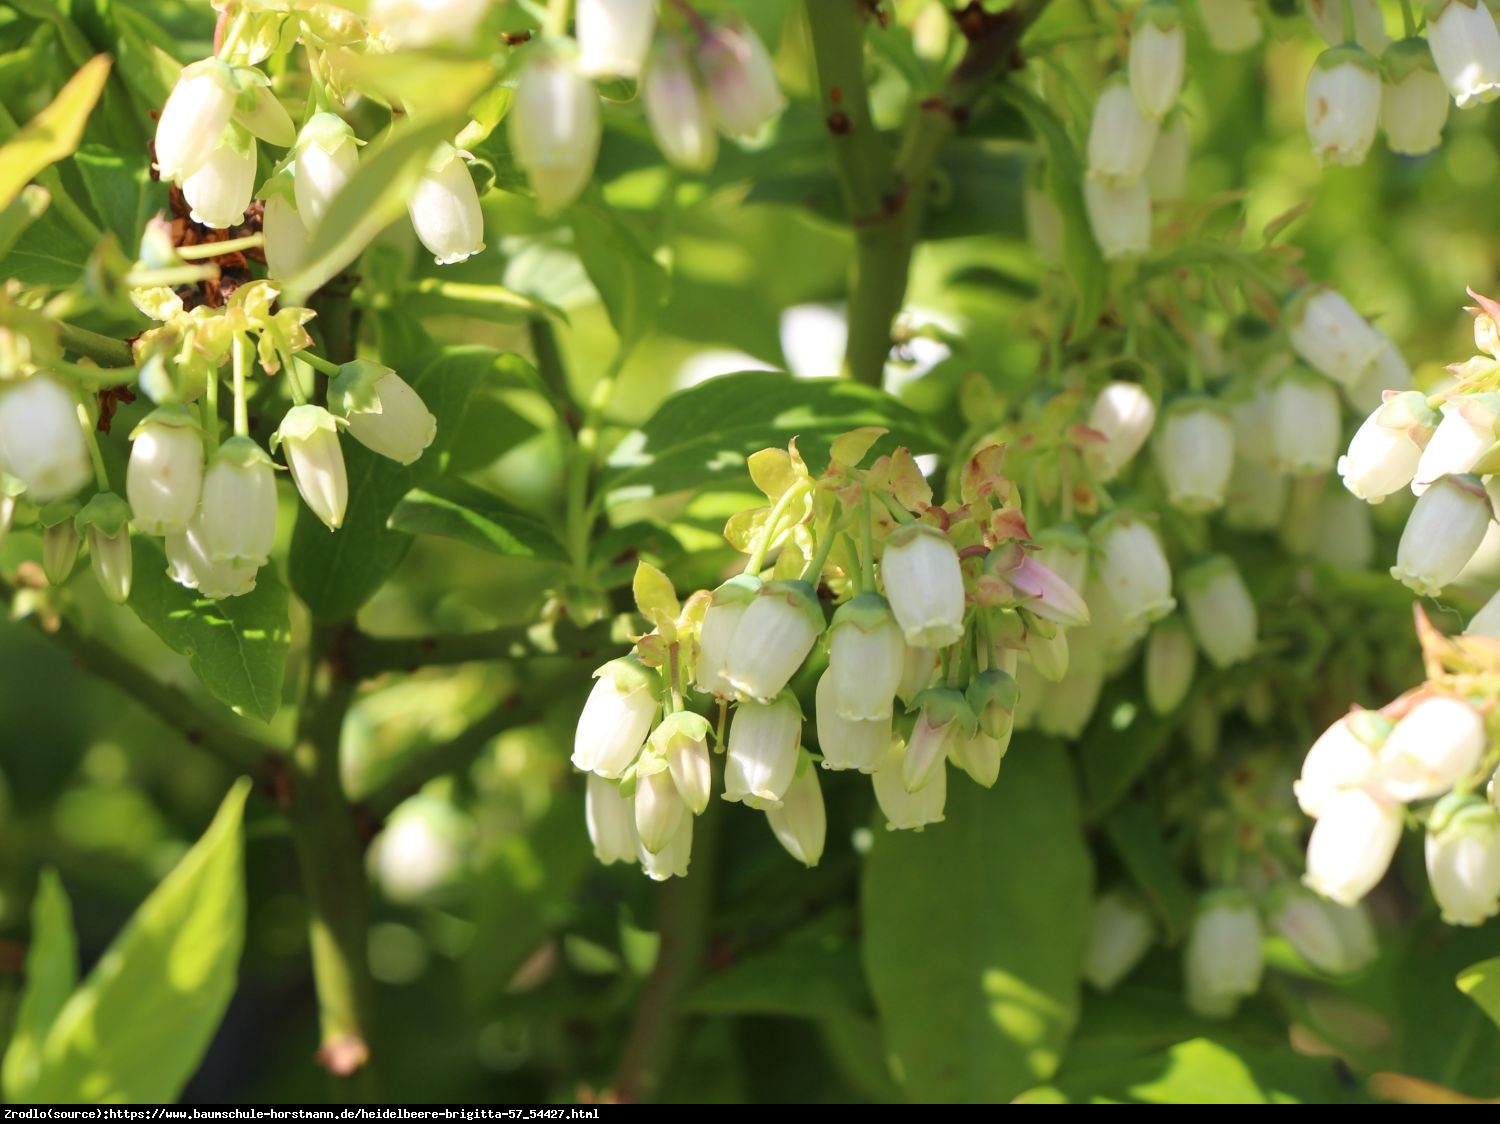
(209, 411)
(767, 537)
(867, 531)
(318, 363)
(814, 572)
(241, 367)
(96, 455)
(1348, 21)
(220, 249)
(556, 24)
(1408, 19)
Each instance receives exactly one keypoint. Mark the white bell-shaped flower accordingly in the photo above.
(905, 810)
(239, 504)
(613, 36)
(1470, 428)
(944, 717)
(190, 565)
(1124, 415)
(1158, 58)
(1465, 45)
(764, 739)
(1133, 571)
(741, 78)
(1171, 661)
(1120, 935)
(1387, 448)
(1369, 25)
(716, 637)
(1442, 533)
(677, 107)
(659, 810)
(924, 584)
(773, 638)
(1329, 334)
(673, 859)
(1223, 961)
(105, 521)
(1486, 622)
(327, 156)
(1414, 99)
(444, 209)
(423, 23)
(846, 743)
(1463, 860)
(1352, 844)
(222, 188)
(1333, 938)
(1120, 218)
(800, 821)
(309, 440)
(1435, 746)
(1120, 137)
(384, 413)
(554, 128)
(1306, 422)
(682, 742)
(1342, 757)
(611, 822)
(616, 718)
(1232, 25)
(1343, 104)
(194, 118)
(41, 438)
(286, 235)
(1194, 453)
(866, 656)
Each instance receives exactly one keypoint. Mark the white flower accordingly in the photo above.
(773, 638)
(286, 235)
(1442, 533)
(1166, 174)
(918, 670)
(613, 36)
(847, 744)
(1124, 414)
(741, 78)
(1133, 572)
(659, 810)
(615, 720)
(1120, 138)
(716, 638)
(682, 742)
(1437, 744)
(1120, 935)
(1049, 654)
(1336, 939)
(1120, 218)
(611, 822)
(944, 717)
(421, 23)
(1486, 622)
(1469, 429)
(763, 742)
(309, 440)
(1171, 659)
(1158, 58)
(1194, 453)
(554, 129)
(1306, 423)
(677, 108)
(1466, 47)
(444, 209)
(1221, 611)
(905, 810)
(239, 504)
(1369, 25)
(1352, 844)
(190, 566)
(1232, 25)
(866, 656)
(924, 584)
(672, 860)
(384, 413)
(1414, 100)
(193, 119)
(1387, 448)
(222, 188)
(1343, 105)
(1223, 961)
(800, 821)
(1463, 861)
(41, 438)
(1327, 333)
(1389, 372)
(326, 160)
(1342, 757)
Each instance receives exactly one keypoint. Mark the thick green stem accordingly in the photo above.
(368, 656)
(91, 345)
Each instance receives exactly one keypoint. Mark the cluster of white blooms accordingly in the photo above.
(920, 657)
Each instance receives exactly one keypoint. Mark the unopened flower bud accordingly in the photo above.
(659, 810)
(1232, 25)
(716, 639)
(1469, 428)
(673, 859)
(1486, 622)
(194, 117)
(1343, 104)
(1171, 659)
(1120, 218)
(677, 108)
(611, 822)
(1167, 172)
(1120, 935)
(1352, 844)
(1194, 453)
(221, 190)
(1369, 25)
(1466, 47)
(165, 476)
(918, 670)
(1069, 704)
(846, 743)
(1333, 938)
(1463, 860)
(327, 156)
(309, 440)
(41, 438)
(60, 541)
(980, 756)
(239, 504)
(992, 697)
(1049, 654)
(1414, 100)
(741, 78)
(682, 742)
(615, 720)
(944, 716)
(286, 235)
(1437, 744)
(613, 36)
(1221, 611)
(1223, 961)
(444, 209)
(1342, 757)
(925, 585)
(763, 743)
(105, 520)
(1120, 138)
(1386, 450)
(1328, 334)
(866, 656)
(905, 810)
(773, 638)
(800, 822)
(1306, 423)
(384, 413)
(189, 565)
(1158, 58)
(554, 129)
(1124, 414)
(1133, 571)
(1442, 533)
(1042, 592)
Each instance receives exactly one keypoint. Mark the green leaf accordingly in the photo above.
(122, 192)
(1119, 747)
(24, 210)
(236, 646)
(1135, 833)
(457, 510)
(703, 435)
(137, 1028)
(54, 132)
(797, 978)
(1200, 1071)
(1481, 983)
(337, 572)
(48, 252)
(630, 281)
(975, 932)
(51, 974)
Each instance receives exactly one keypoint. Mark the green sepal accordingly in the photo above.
(992, 696)
(1405, 57)
(680, 726)
(800, 595)
(105, 512)
(1161, 14)
(352, 390)
(57, 512)
(629, 675)
(169, 416)
(242, 452)
(867, 612)
(301, 423)
(1347, 54)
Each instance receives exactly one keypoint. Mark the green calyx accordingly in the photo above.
(682, 728)
(242, 452)
(1347, 54)
(1461, 812)
(1406, 57)
(1164, 15)
(992, 696)
(945, 706)
(302, 423)
(170, 416)
(56, 513)
(106, 513)
(867, 612)
(1370, 727)
(1195, 404)
(354, 390)
(800, 595)
(1201, 574)
(629, 675)
(738, 590)
(909, 531)
(328, 131)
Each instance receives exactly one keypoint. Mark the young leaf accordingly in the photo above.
(461, 511)
(655, 597)
(51, 974)
(137, 1028)
(1481, 983)
(54, 132)
(630, 281)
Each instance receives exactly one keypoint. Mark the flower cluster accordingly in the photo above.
(935, 603)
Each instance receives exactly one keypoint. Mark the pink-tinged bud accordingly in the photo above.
(677, 108)
(1369, 25)
(554, 129)
(1119, 938)
(309, 440)
(1046, 594)
(1466, 47)
(800, 822)
(1166, 174)
(194, 117)
(672, 860)
(611, 822)
(716, 638)
(1120, 218)
(1442, 533)
(1133, 571)
(1343, 104)
(190, 565)
(1120, 138)
(773, 638)
(1486, 622)
(1194, 454)
(615, 720)
(1386, 450)
(944, 717)
(741, 78)
(1352, 844)
(1125, 415)
(846, 743)
(1335, 939)
(1158, 58)
(41, 438)
(1223, 961)
(221, 190)
(1171, 660)
(327, 156)
(1414, 100)
(763, 743)
(1306, 423)
(682, 742)
(659, 810)
(1331, 336)
(905, 810)
(1232, 25)
(1435, 746)
(1469, 428)
(925, 585)
(239, 504)
(1463, 860)
(866, 657)
(444, 209)
(613, 36)
(1342, 757)
(1221, 611)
